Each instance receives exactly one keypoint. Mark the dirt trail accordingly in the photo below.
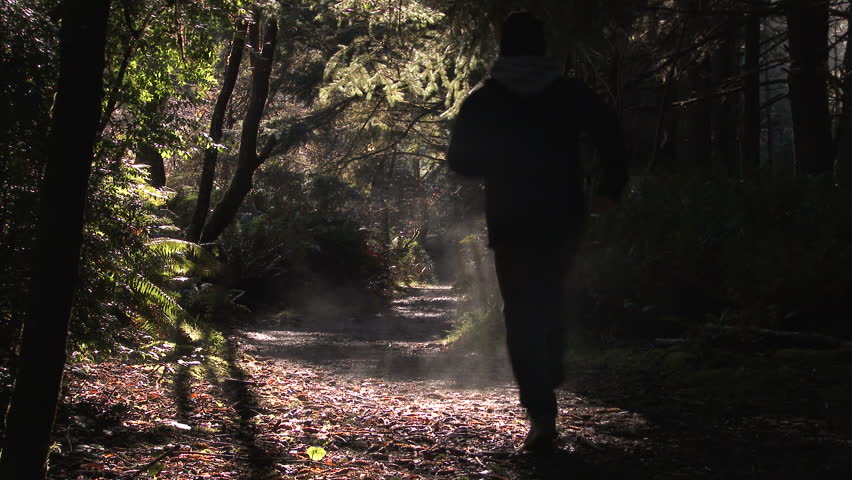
(388, 394)
(421, 411)
(383, 391)
(402, 344)
(383, 399)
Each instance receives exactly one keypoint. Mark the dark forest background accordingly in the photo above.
(168, 165)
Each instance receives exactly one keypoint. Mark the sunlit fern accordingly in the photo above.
(175, 259)
(180, 257)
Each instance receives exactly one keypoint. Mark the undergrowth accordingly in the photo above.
(681, 252)
(478, 329)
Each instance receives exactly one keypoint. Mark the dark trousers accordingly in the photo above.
(533, 283)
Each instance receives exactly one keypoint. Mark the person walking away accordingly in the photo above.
(519, 131)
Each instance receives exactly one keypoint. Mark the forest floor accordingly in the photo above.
(328, 396)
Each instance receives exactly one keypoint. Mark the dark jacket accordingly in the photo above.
(524, 143)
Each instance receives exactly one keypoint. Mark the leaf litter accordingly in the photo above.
(319, 403)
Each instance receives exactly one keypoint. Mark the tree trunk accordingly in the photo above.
(248, 160)
(770, 129)
(421, 203)
(807, 24)
(76, 113)
(211, 153)
(843, 140)
(725, 126)
(751, 97)
(381, 185)
(699, 147)
(694, 144)
(148, 154)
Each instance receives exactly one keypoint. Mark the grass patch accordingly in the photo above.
(477, 330)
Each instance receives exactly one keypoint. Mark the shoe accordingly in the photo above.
(541, 435)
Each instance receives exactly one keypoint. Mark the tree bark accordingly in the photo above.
(211, 153)
(694, 144)
(751, 97)
(76, 114)
(807, 24)
(725, 126)
(843, 137)
(148, 154)
(769, 120)
(699, 147)
(248, 160)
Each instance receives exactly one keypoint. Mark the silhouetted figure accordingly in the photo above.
(518, 130)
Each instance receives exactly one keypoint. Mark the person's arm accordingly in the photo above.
(601, 123)
(468, 138)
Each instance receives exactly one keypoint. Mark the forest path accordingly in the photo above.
(386, 399)
(383, 395)
(404, 343)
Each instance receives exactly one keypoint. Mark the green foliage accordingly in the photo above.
(131, 274)
(316, 453)
(295, 231)
(182, 259)
(399, 52)
(479, 329)
(479, 325)
(775, 253)
(410, 261)
(161, 62)
(27, 72)
(28, 51)
(417, 50)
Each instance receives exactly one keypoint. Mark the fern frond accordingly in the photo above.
(157, 297)
(165, 247)
(179, 257)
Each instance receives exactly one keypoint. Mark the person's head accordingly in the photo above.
(522, 35)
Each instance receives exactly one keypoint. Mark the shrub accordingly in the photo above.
(298, 232)
(131, 270)
(773, 252)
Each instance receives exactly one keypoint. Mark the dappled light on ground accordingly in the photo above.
(381, 397)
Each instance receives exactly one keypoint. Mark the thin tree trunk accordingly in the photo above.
(807, 24)
(76, 114)
(698, 115)
(843, 161)
(843, 140)
(770, 131)
(211, 153)
(726, 122)
(387, 181)
(380, 183)
(248, 159)
(421, 204)
(661, 152)
(694, 146)
(751, 97)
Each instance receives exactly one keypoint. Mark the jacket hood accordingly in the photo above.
(526, 76)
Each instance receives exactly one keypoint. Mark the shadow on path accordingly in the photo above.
(239, 394)
(615, 423)
(712, 429)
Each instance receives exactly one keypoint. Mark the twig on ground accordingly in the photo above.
(148, 465)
